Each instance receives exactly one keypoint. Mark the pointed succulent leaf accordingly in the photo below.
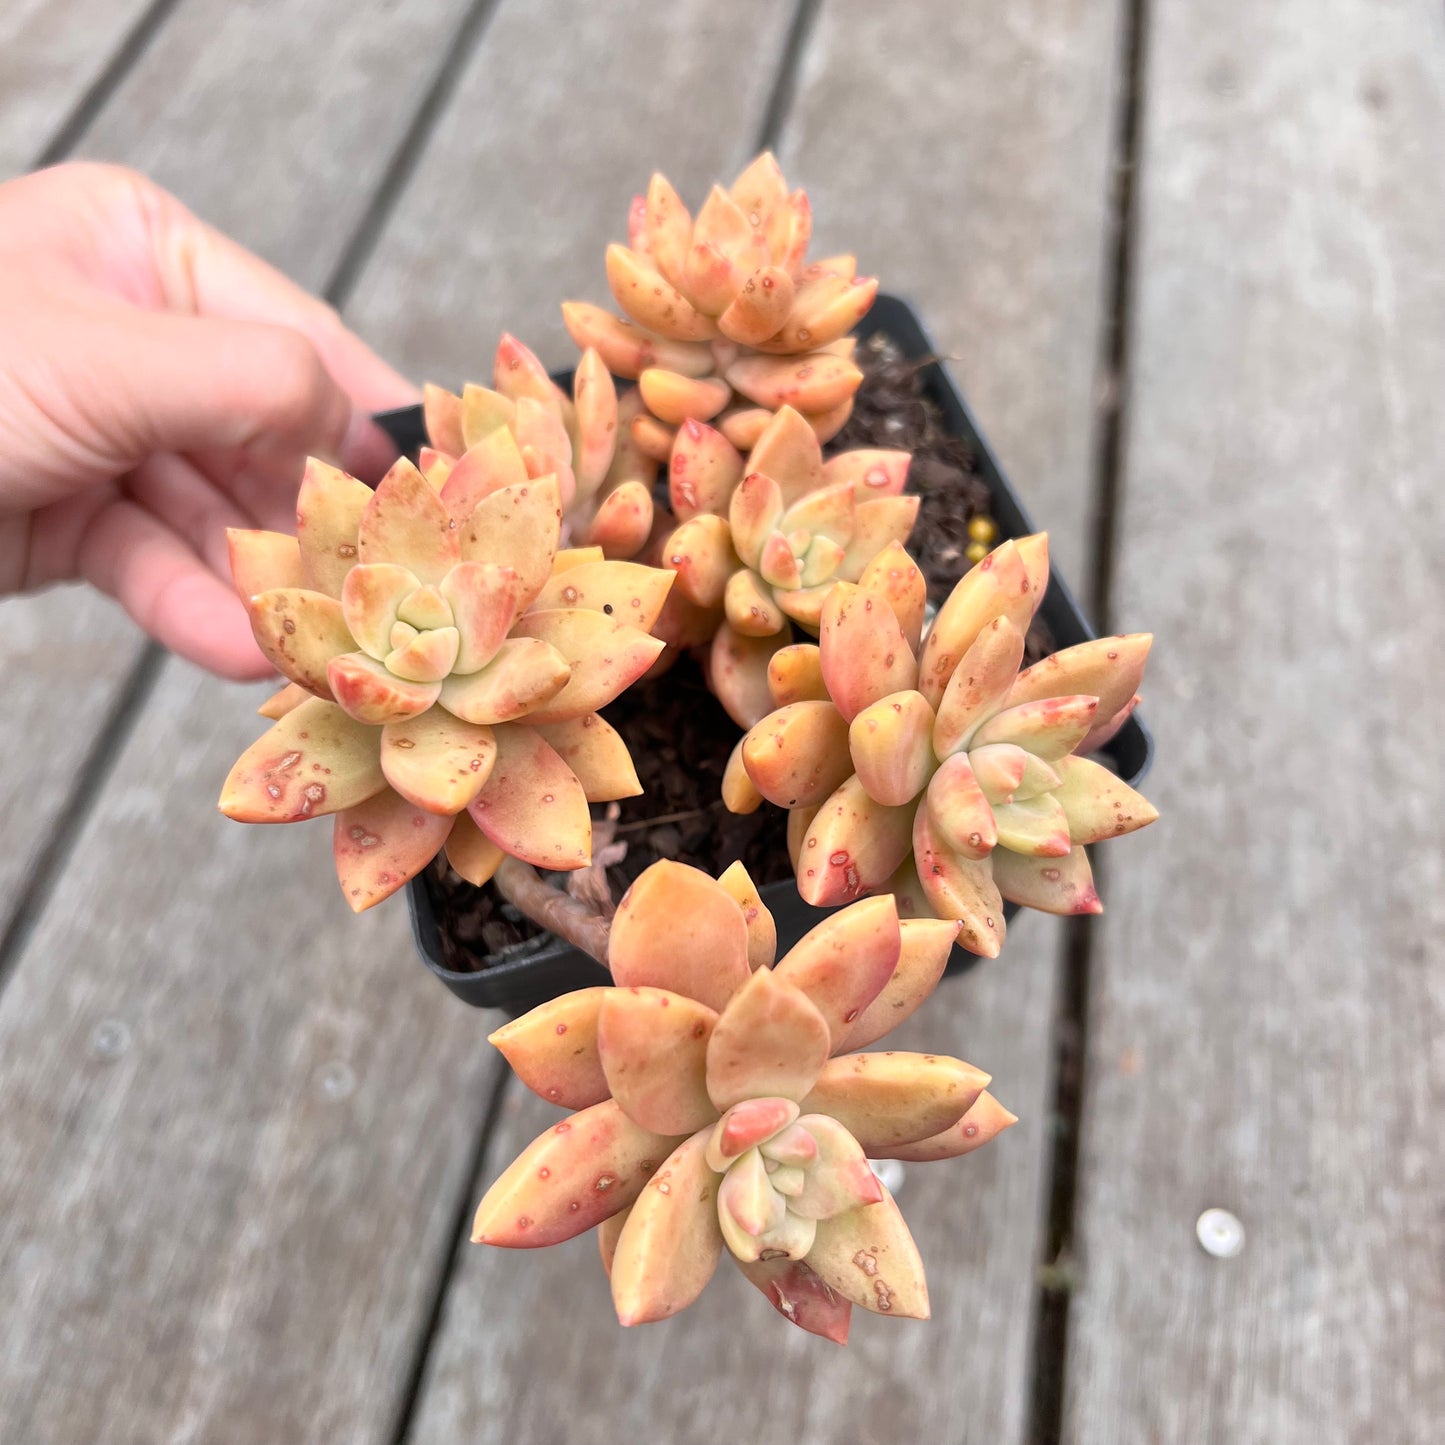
(1052, 885)
(329, 509)
(924, 948)
(280, 703)
(624, 520)
(797, 1292)
(795, 674)
(998, 586)
(314, 760)
(553, 1049)
(1000, 769)
(627, 350)
(1097, 803)
(869, 1257)
(821, 561)
(788, 229)
(435, 466)
(382, 844)
(702, 471)
(744, 426)
(595, 397)
(670, 1245)
(677, 399)
(760, 308)
(895, 1097)
(960, 815)
(851, 847)
(488, 465)
(984, 1121)
(667, 226)
(959, 887)
(824, 309)
(653, 438)
(701, 554)
(606, 656)
(373, 695)
(877, 524)
(750, 606)
(827, 511)
(872, 471)
(653, 1046)
(426, 658)
(300, 632)
(759, 189)
(627, 592)
(827, 424)
(263, 561)
(570, 1179)
(798, 755)
(651, 300)
(436, 761)
(1109, 668)
(609, 1232)
(751, 1124)
(754, 511)
(805, 605)
(484, 411)
(596, 753)
(843, 962)
(771, 1041)
(790, 1146)
(406, 522)
(426, 609)
(524, 674)
(762, 931)
(864, 654)
(570, 557)
(532, 806)
(890, 742)
(841, 1177)
(811, 383)
(800, 820)
(471, 853)
(778, 564)
(894, 577)
(1037, 826)
(678, 929)
(1048, 728)
(517, 372)
(739, 792)
(788, 452)
(442, 410)
(978, 685)
(1103, 733)
(738, 674)
(545, 445)
(483, 597)
(517, 527)
(748, 1208)
(370, 598)
(725, 250)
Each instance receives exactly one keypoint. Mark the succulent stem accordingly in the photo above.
(550, 908)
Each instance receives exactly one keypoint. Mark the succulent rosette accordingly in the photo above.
(725, 318)
(446, 665)
(525, 426)
(946, 776)
(719, 1107)
(762, 540)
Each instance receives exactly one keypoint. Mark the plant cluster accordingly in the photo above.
(450, 638)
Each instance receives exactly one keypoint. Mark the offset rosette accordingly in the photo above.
(718, 1107)
(446, 666)
(524, 426)
(725, 318)
(946, 776)
(763, 540)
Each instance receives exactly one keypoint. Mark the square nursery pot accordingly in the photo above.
(531, 974)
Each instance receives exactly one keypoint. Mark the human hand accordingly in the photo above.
(158, 384)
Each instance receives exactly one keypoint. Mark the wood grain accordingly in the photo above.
(528, 1349)
(1269, 1004)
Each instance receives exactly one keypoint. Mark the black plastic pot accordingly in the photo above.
(540, 971)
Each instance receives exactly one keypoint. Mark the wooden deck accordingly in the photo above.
(1188, 258)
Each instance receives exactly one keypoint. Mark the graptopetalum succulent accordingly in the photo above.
(726, 318)
(446, 665)
(946, 776)
(719, 1105)
(488, 438)
(762, 540)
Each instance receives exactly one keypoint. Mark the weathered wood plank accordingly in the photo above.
(232, 1225)
(528, 1346)
(1268, 1011)
(50, 56)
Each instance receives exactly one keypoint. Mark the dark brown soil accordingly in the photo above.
(679, 735)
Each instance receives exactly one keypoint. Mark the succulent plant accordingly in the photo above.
(761, 541)
(446, 665)
(525, 426)
(726, 320)
(945, 776)
(719, 1105)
